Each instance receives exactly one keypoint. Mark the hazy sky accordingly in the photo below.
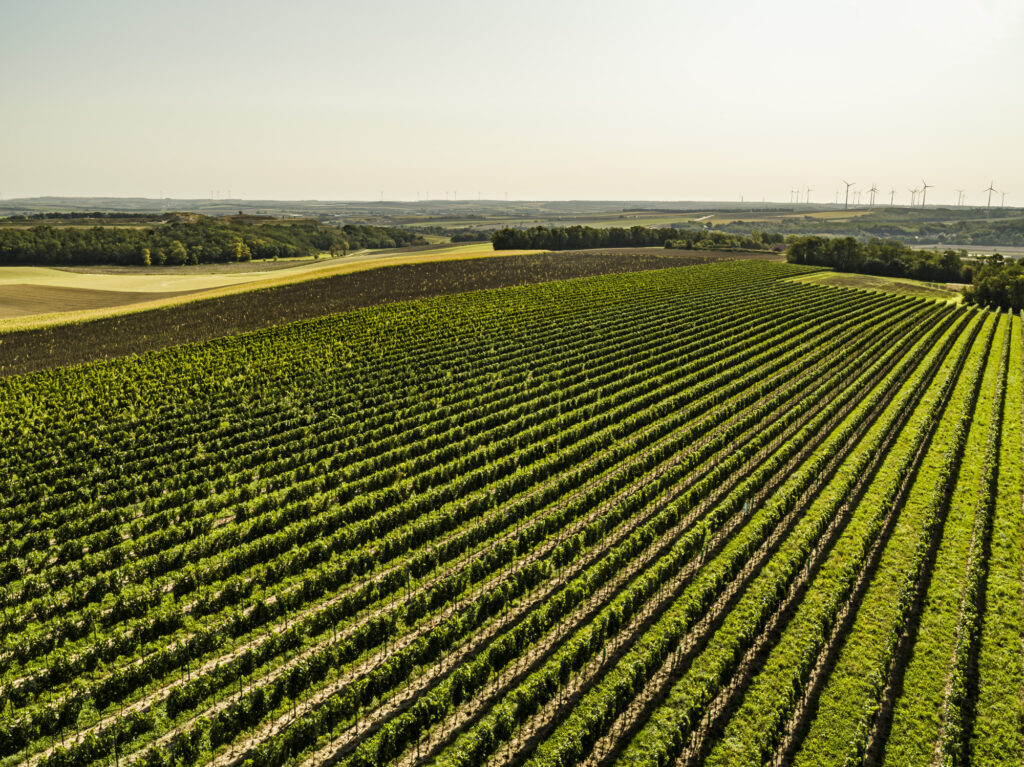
(578, 99)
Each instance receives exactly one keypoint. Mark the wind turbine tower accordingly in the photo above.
(873, 191)
(989, 190)
(959, 198)
(892, 197)
(913, 196)
(809, 190)
(925, 186)
(1002, 202)
(848, 185)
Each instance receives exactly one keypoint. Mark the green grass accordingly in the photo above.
(898, 285)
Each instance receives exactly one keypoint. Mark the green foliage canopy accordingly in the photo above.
(194, 240)
(884, 257)
(585, 237)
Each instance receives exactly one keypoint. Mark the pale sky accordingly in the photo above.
(577, 99)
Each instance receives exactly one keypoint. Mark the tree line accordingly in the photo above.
(197, 240)
(587, 237)
(456, 234)
(97, 214)
(1003, 228)
(889, 258)
(997, 285)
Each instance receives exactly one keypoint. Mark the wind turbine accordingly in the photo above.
(809, 190)
(873, 191)
(913, 196)
(1002, 202)
(989, 190)
(848, 185)
(925, 186)
(959, 198)
(892, 197)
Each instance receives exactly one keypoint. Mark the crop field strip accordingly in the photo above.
(53, 341)
(605, 705)
(866, 534)
(644, 562)
(638, 519)
(814, 522)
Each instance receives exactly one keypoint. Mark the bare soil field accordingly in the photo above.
(22, 300)
(235, 267)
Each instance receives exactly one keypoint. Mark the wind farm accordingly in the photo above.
(918, 195)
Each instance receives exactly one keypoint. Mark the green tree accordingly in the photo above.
(242, 252)
(176, 253)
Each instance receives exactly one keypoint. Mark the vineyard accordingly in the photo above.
(702, 515)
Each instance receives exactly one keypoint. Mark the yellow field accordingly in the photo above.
(200, 285)
(142, 282)
(823, 215)
(941, 291)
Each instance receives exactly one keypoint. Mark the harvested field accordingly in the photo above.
(235, 267)
(22, 300)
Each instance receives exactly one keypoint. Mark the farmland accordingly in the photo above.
(698, 515)
(41, 295)
(45, 341)
(937, 290)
